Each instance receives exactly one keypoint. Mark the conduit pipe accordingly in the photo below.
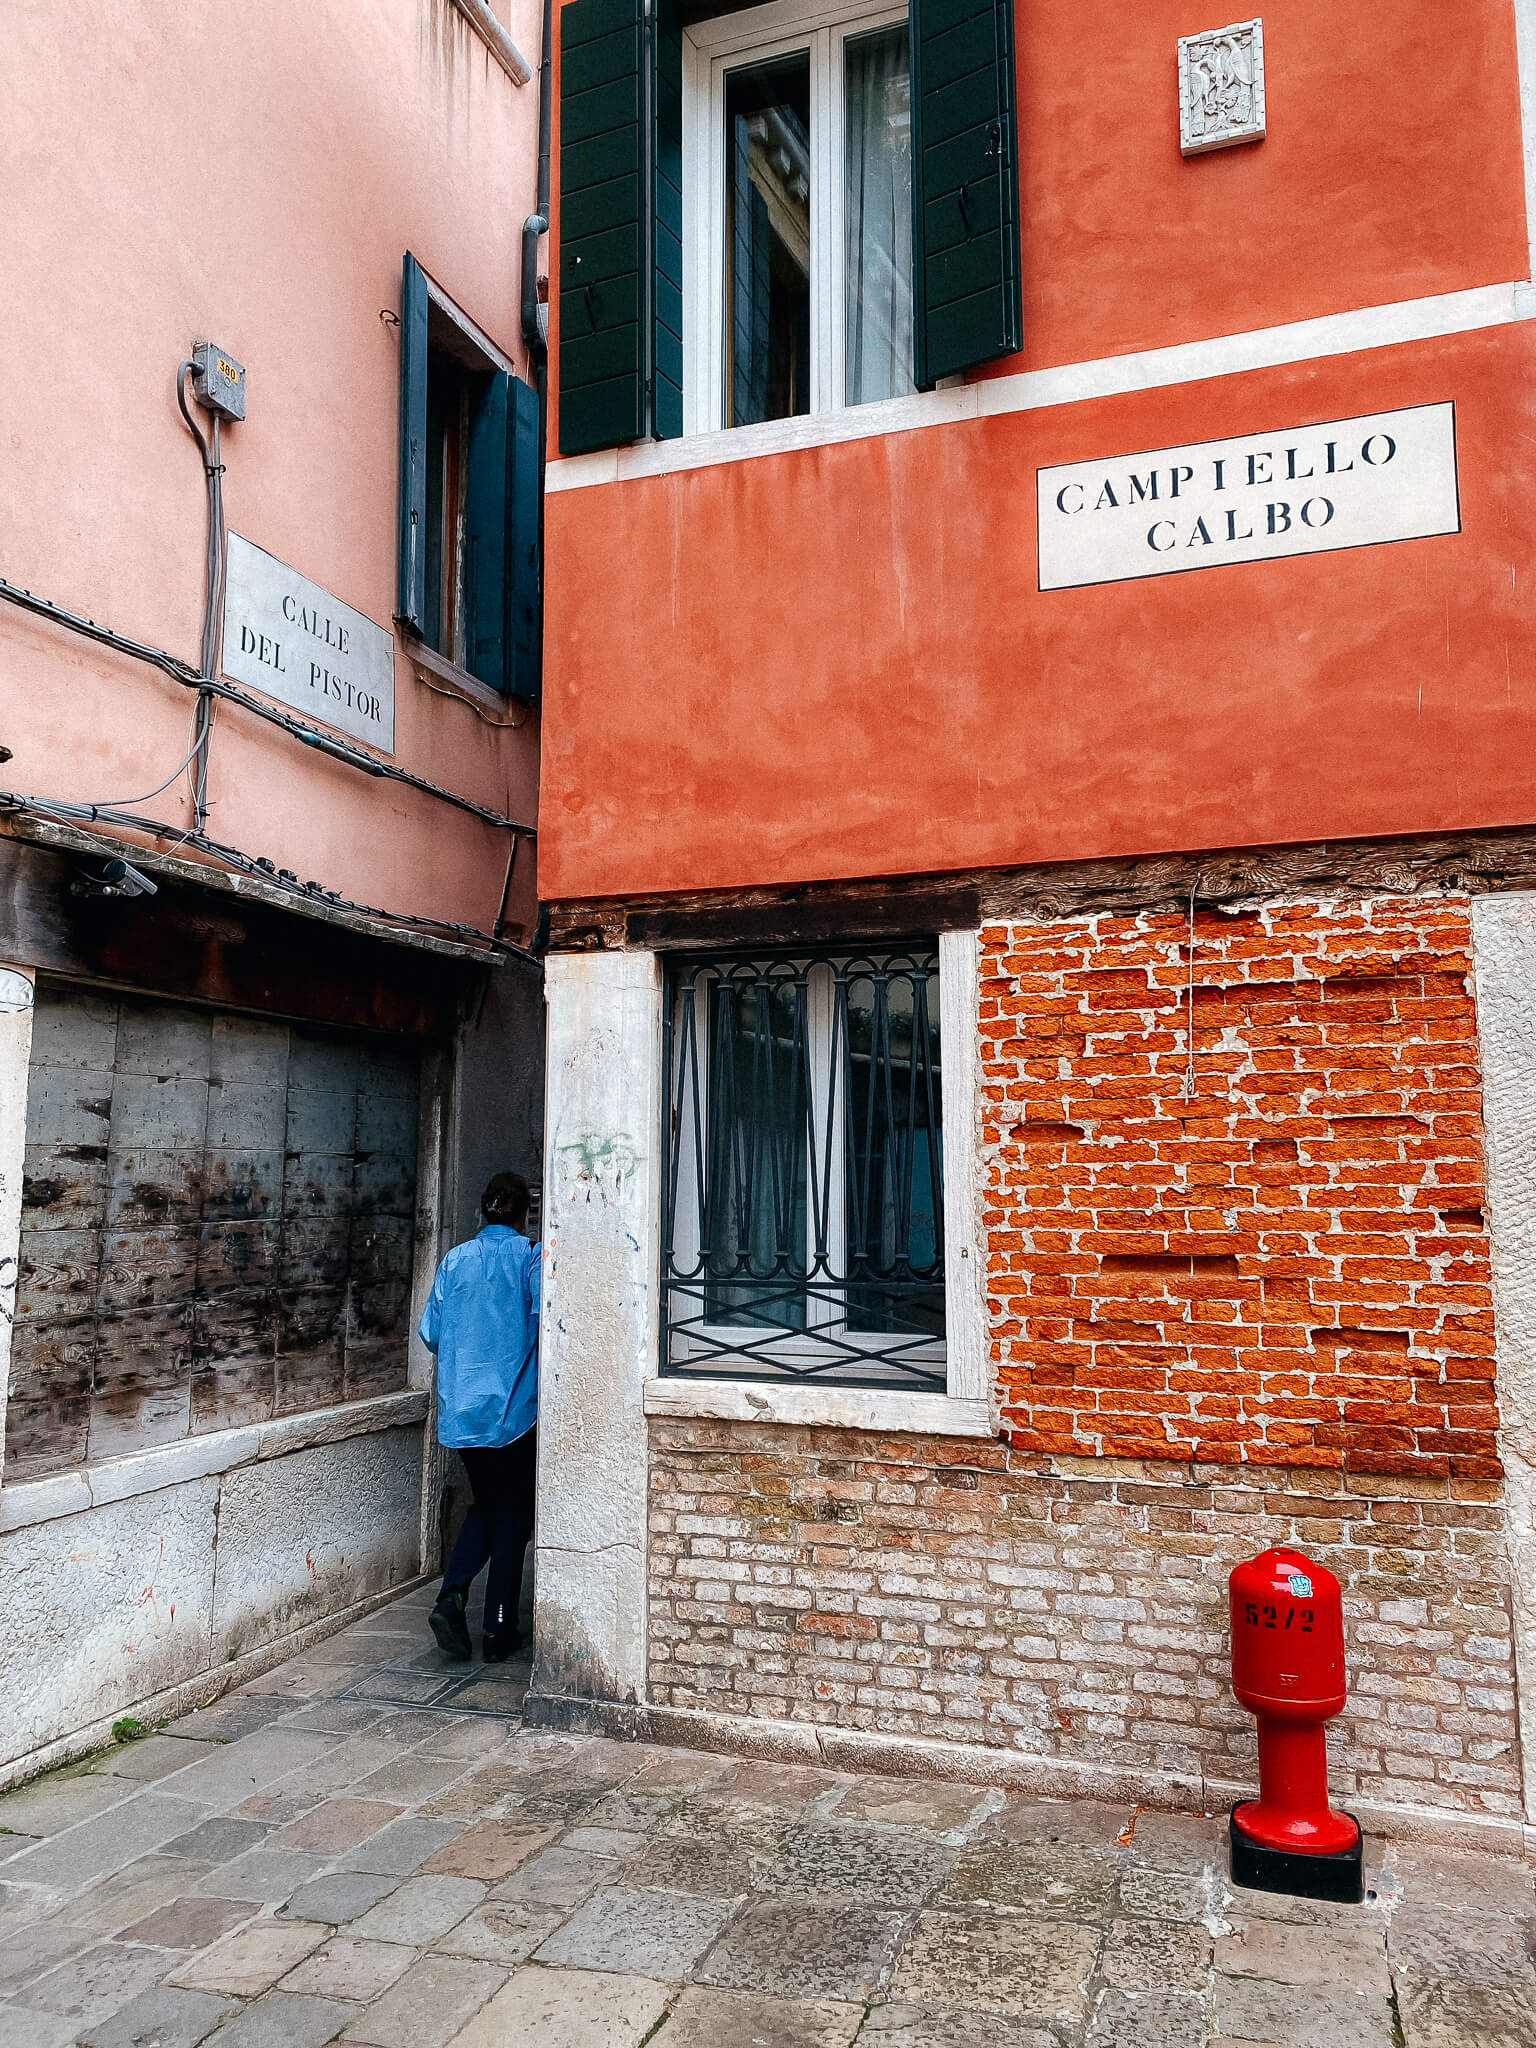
(496, 40)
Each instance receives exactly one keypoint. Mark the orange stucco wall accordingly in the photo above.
(179, 173)
(837, 661)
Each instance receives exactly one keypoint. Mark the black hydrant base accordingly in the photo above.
(1339, 1876)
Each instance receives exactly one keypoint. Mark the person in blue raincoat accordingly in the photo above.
(482, 1320)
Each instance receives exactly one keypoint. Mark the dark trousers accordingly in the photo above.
(498, 1526)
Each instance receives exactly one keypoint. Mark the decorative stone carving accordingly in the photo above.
(1221, 87)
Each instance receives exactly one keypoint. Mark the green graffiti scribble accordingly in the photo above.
(613, 1158)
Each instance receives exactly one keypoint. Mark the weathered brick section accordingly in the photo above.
(962, 1592)
(1286, 1265)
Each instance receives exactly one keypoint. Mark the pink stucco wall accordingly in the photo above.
(173, 173)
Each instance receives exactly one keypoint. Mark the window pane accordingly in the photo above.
(768, 231)
(754, 1233)
(878, 216)
(894, 1199)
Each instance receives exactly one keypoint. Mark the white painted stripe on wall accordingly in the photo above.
(1229, 355)
(1525, 45)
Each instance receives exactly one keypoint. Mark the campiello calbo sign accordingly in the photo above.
(1297, 491)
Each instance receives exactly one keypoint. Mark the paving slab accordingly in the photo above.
(1156, 1955)
(404, 1845)
(1494, 1885)
(250, 1962)
(805, 1949)
(1423, 1942)
(138, 1888)
(188, 1923)
(932, 1805)
(97, 1847)
(895, 2025)
(503, 1931)
(493, 1849)
(567, 2009)
(1254, 2009)
(162, 2018)
(219, 1840)
(1149, 2019)
(1179, 1841)
(228, 1719)
(712, 1870)
(558, 1877)
(429, 2004)
(1448, 2013)
(1076, 1823)
(748, 2019)
(422, 1910)
(347, 1968)
(1287, 1954)
(866, 1865)
(998, 1963)
(649, 1934)
(411, 1778)
(270, 1875)
(151, 1758)
(334, 1826)
(1163, 1894)
(53, 1804)
(283, 2020)
(234, 1771)
(1060, 1883)
(22, 2029)
(96, 1982)
(337, 1896)
(276, 1809)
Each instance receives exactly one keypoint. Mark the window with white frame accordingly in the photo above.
(803, 1225)
(797, 164)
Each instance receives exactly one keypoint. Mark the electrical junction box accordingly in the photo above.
(218, 381)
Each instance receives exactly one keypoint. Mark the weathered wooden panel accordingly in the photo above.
(217, 1224)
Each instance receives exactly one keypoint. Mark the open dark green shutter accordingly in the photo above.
(667, 222)
(523, 544)
(965, 186)
(411, 570)
(602, 224)
(485, 534)
(501, 539)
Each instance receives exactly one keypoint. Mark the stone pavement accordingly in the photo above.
(365, 1846)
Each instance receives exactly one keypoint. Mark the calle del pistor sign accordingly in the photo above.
(293, 640)
(1307, 490)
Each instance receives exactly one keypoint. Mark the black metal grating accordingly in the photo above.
(803, 1224)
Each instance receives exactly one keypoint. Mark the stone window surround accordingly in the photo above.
(965, 1409)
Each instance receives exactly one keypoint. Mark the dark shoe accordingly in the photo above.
(499, 1648)
(449, 1626)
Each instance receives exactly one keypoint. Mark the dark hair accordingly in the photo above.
(505, 1200)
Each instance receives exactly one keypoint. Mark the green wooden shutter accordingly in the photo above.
(523, 544)
(501, 539)
(411, 569)
(667, 222)
(602, 225)
(485, 534)
(965, 186)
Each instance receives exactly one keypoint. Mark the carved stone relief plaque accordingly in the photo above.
(1221, 87)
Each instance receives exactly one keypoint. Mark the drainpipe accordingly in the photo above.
(535, 317)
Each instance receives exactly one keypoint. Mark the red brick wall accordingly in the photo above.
(1288, 1265)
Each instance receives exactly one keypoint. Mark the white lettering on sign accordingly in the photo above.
(288, 638)
(1298, 491)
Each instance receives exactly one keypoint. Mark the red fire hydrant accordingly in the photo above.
(1288, 1669)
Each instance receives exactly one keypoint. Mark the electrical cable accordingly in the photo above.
(182, 672)
(108, 803)
(458, 697)
(213, 601)
(259, 870)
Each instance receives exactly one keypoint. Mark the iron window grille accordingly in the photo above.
(803, 1224)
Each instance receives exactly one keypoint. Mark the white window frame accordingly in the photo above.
(710, 50)
(965, 1407)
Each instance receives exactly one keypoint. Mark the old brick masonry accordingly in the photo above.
(1234, 1298)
